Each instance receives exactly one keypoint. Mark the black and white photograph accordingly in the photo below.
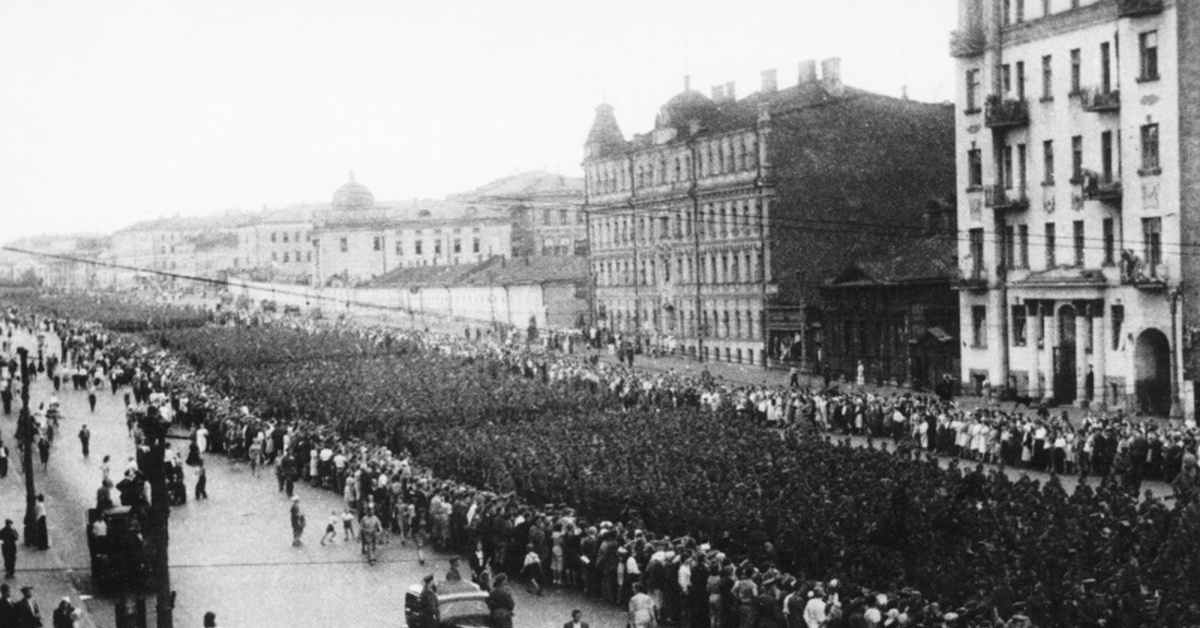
(617, 314)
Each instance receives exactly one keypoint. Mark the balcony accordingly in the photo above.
(1097, 101)
(1000, 198)
(974, 281)
(1000, 113)
(1136, 273)
(967, 43)
(1139, 8)
(1100, 188)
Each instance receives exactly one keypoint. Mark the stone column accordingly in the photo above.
(1051, 331)
(1099, 352)
(1082, 329)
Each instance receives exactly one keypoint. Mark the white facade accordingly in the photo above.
(1069, 200)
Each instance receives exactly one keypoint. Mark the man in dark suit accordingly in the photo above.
(8, 608)
(576, 620)
(29, 615)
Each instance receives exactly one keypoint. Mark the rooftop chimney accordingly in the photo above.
(808, 71)
(831, 75)
(770, 81)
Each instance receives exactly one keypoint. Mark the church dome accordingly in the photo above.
(684, 107)
(353, 196)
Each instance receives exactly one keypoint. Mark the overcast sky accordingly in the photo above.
(118, 111)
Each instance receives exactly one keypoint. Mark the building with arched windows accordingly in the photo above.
(712, 232)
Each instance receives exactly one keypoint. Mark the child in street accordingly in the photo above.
(331, 528)
(348, 525)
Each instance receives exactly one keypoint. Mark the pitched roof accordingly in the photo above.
(418, 276)
(526, 185)
(933, 258)
(531, 270)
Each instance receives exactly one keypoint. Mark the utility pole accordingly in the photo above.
(155, 429)
(26, 429)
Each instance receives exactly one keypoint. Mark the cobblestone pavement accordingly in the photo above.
(231, 554)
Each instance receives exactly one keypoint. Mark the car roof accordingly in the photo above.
(452, 590)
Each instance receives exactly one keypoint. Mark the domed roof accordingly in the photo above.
(686, 106)
(353, 196)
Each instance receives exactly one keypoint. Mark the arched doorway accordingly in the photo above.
(1152, 370)
(1064, 357)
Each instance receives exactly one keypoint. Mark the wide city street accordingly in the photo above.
(231, 554)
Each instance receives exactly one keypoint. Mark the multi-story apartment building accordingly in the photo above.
(546, 208)
(280, 240)
(181, 246)
(712, 232)
(357, 239)
(1077, 152)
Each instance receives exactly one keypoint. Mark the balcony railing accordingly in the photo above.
(1105, 189)
(975, 280)
(1143, 276)
(1098, 101)
(1001, 113)
(1139, 8)
(1001, 198)
(967, 43)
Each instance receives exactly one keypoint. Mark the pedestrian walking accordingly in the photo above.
(8, 547)
(92, 397)
(370, 529)
(297, 521)
(39, 518)
(3, 460)
(8, 608)
(201, 484)
(43, 446)
(331, 528)
(85, 437)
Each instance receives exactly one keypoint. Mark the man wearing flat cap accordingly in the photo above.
(8, 546)
(29, 615)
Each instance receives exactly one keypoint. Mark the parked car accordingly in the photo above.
(460, 605)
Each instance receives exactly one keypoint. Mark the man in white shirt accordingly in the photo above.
(814, 611)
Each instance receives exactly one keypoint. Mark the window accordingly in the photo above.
(399, 249)
(437, 247)
(975, 168)
(1008, 12)
(1023, 244)
(979, 326)
(377, 243)
(1105, 68)
(475, 245)
(1050, 245)
(273, 237)
(545, 216)
(1152, 243)
(1077, 232)
(1109, 241)
(1076, 70)
(285, 237)
(1148, 45)
(1076, 158)
(1010, 246)
(457, 245)
(1006, 78)
(286, 257)
(1106, 156)
(973, 90)
(1118, 319)
(1150, 163)
(1019, 318)
(1047, 78)
(417, 247)
(308, 256)
(1022, 176)
(1020, 80)
(1048, 162)
(563, 217)
(274, 256)
(344, 244)
(1008, 167)
(1020, 11)
(976, 242)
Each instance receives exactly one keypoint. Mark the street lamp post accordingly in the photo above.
(25, 432)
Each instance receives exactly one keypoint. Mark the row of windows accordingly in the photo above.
(564, 217)
(291, 257)
(1041, 316)
(1012, 75)
(736, 324)
(721, 156)
(286, 237)
(715, 268)
(1014, 246)
(717, 220)
(456, 246)
(1012, 166)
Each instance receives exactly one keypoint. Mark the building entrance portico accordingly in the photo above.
(1152, 362)
(1064, 357)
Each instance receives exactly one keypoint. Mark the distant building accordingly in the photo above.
(546, 209)
(279, 243)
(1078, 152)
(717, 228)
(184, 246)
(896, 314)
(357, 239)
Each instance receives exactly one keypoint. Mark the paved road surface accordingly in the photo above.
(231, 554)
